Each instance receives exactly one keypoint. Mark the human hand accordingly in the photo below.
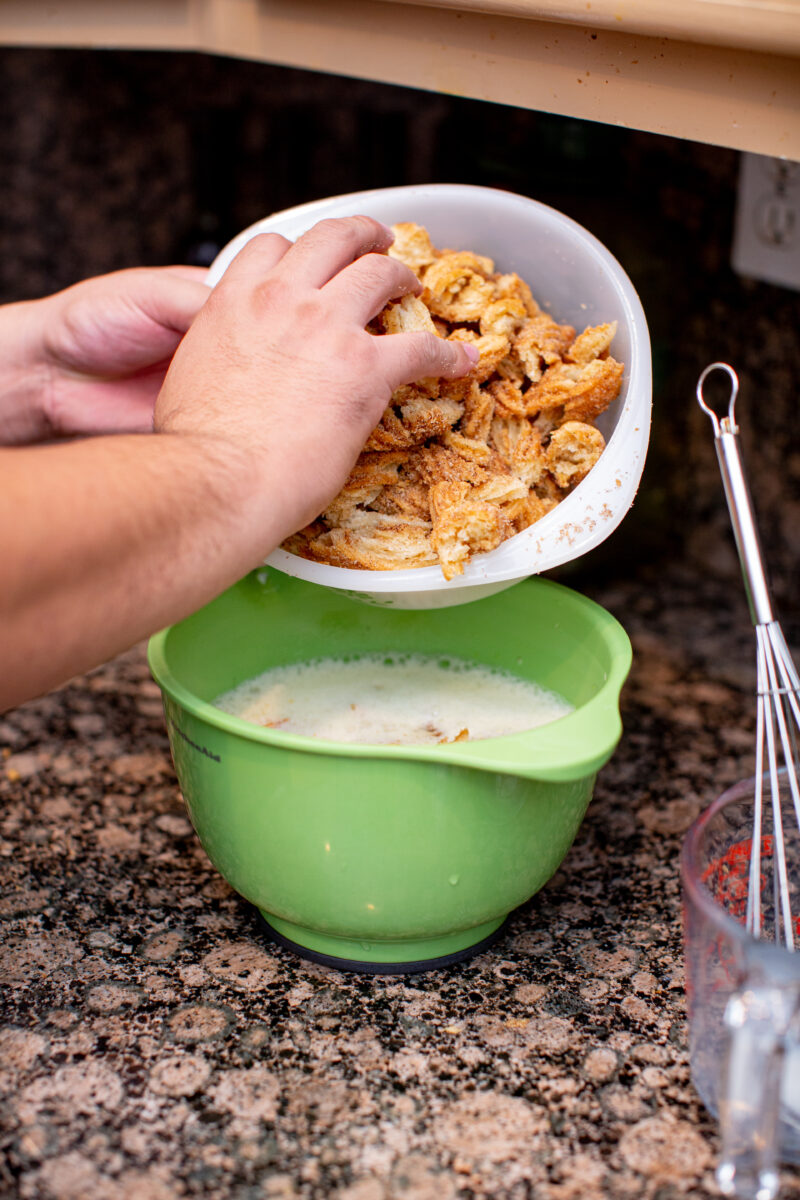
(94, 356)
(266, 405)
(278, 365)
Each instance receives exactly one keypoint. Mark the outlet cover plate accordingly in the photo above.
(766, 240)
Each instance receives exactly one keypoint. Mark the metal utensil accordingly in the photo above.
(758, 1019)
(778, 712)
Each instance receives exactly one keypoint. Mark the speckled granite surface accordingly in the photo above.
(154, 1045)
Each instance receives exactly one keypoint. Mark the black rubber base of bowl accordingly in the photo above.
(382, 968)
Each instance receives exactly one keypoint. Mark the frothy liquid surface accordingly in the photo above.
(395, 699)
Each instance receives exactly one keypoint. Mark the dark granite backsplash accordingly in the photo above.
(152, 1044)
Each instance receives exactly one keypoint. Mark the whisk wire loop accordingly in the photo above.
(753, 917)
(789, 699)
(775, 716)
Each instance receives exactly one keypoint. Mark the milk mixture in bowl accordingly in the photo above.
(393, 699)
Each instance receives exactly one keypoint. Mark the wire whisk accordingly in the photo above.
(778, 704)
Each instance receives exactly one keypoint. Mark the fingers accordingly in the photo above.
(329, 249)
(362, 289)
(406, 357)
(331, 245)
(256, 259)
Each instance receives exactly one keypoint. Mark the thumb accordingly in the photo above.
(174, 296)
(184, 272)
(406, 357)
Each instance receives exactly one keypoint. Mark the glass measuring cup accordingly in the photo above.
(743, 997)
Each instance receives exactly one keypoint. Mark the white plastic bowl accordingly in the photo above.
(576, 280)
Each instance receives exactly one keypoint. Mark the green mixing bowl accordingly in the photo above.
(388, 858)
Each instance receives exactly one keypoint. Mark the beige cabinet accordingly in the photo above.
(719, 71)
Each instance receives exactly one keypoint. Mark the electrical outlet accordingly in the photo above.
(766, 240)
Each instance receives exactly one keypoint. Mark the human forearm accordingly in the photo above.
(105, 540)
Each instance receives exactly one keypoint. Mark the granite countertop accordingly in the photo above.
(154, 1045)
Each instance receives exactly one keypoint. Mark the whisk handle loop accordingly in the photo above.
(737, 495)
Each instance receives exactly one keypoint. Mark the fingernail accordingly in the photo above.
(472, 352)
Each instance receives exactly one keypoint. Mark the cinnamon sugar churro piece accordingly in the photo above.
(455, 467)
